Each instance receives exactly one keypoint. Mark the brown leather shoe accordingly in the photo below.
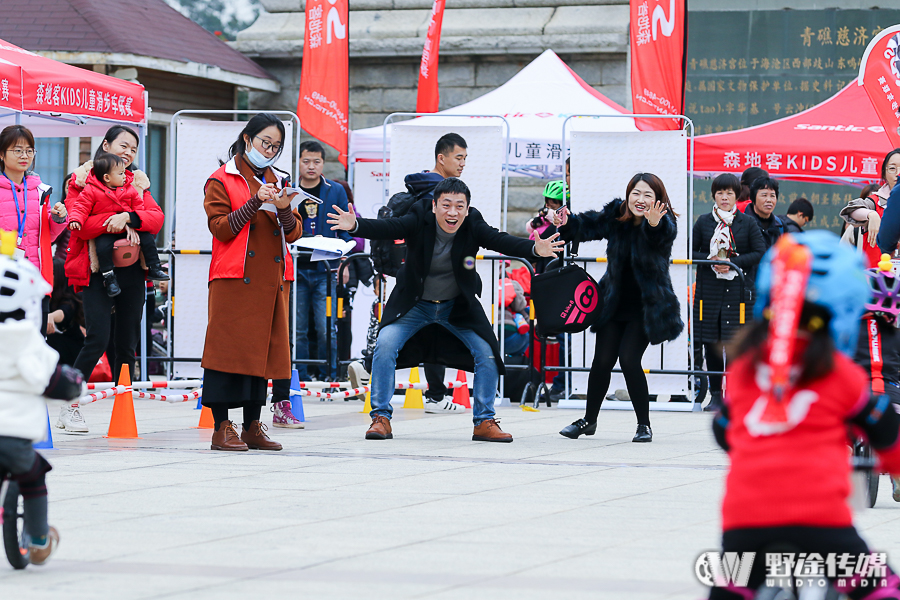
(380, 429)
(226, 438)
(256, 439)
(489, 431)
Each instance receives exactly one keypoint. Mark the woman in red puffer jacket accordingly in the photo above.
(82, 270)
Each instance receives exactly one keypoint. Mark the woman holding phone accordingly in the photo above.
(251, 221)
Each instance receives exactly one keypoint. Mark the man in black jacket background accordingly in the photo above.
(433, 314)
(799, 214)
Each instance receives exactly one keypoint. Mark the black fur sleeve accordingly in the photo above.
(591, 224)
(663, 235)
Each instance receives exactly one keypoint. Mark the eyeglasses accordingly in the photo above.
(19, 153)
(893, 170)
(269, 146)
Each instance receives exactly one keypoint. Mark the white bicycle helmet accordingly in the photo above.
(21, 288)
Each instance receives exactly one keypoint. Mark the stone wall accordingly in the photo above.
(483, 44)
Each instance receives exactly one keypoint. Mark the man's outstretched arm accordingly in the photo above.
(510, 245)
(397, 228)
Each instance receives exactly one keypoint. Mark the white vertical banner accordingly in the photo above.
(412, 151)
(200, 145)
(602, 166)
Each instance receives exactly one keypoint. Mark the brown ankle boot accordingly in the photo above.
(226, 438)
(380, 429)
(489, 431)
(255, 437)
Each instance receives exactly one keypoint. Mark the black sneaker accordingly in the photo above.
(579, 427)
(157, 274)
(111, 284)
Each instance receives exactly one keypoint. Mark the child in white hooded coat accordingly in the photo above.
(29, 373)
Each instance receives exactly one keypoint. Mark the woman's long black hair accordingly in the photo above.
(252, 129)
(111, 134)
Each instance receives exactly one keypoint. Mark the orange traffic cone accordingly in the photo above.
(123, 424)
(461, 394)
(206, 419)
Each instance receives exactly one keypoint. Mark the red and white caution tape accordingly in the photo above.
(332, 395)
(176, 384)
(171, 398)
(109, 393)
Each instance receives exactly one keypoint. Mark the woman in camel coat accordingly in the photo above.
(250, 275)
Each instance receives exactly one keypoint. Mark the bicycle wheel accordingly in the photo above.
(14, 539)
(864, 450)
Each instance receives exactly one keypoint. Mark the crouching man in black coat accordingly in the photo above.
(435, 296)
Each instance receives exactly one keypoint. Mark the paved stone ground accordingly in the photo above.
(429, 514)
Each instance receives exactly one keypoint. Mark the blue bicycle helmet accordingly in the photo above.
(837, 282)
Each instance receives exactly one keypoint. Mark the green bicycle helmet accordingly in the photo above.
(554, 191)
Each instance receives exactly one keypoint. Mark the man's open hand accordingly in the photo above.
(342, 220)
(547, 247)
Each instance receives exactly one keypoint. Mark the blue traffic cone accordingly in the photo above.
(200, 399)
(296, 401)
(47, 442)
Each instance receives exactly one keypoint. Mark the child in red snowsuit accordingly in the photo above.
(105, 192)
(792, 392)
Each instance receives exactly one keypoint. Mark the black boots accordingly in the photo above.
(157, 274)
(715, 402)
(578, 428)
(111, 284)
(643, 434)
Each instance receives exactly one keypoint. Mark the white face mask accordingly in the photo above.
(258, 160)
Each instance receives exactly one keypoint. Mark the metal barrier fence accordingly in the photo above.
(535, 392)
(543, 392)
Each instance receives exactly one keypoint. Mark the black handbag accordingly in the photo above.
(565, 299)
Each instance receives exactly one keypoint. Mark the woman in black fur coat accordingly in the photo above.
(637, 303)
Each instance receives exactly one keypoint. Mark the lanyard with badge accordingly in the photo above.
(21, 215)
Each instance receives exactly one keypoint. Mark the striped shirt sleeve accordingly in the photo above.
(287, 219)
(240, 217)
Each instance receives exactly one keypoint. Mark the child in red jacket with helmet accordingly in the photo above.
(792, 393)
(105, 192)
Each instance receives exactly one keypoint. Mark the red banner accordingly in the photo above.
(879, 74)
(658, 51)
(34, 83)
(324, 101)
(428, 95)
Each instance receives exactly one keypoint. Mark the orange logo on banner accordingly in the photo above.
(429, 96)
(879, 74)
(324, 80)
(658, 50)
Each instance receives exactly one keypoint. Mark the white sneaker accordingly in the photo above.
(71, 420)
(357, 375)
(441, 407)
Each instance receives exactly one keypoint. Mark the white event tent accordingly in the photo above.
(536, 103)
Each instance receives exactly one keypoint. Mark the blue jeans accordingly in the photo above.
(392, 338)
(516, 344)
(312, 290)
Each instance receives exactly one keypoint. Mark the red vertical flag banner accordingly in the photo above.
(428, 96)
(879, 74)
(325, 78)
(658, 53)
